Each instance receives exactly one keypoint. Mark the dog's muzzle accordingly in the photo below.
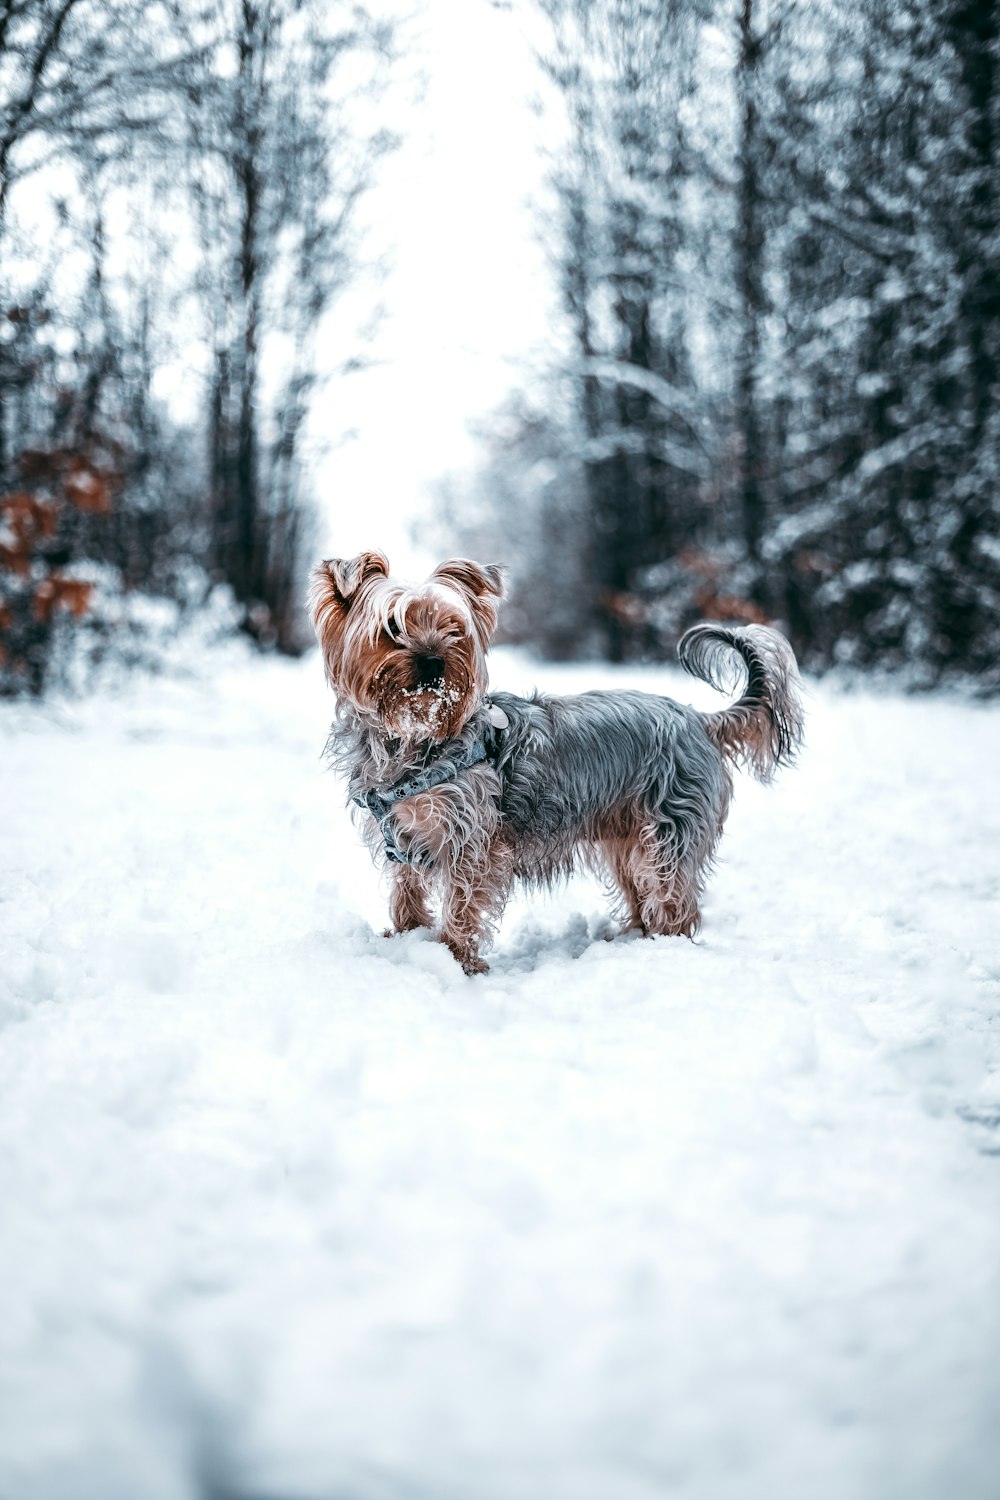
(430, 671)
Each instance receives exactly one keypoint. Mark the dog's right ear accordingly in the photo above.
(339, 578)
(335, 584)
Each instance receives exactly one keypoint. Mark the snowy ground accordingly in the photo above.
(291, 1212)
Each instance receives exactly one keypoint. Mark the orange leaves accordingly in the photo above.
(731, 608)
(80, 480)
(25, 521)
(40, 465)
(33, 587)
(27, 516)
(710, 598)
(59, 592)
(87, 487)
(628, 608)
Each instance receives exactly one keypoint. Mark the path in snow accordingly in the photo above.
(289, 1211)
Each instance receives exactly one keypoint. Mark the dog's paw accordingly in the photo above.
(469, 958)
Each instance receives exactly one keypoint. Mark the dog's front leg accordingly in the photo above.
(451, 835)
(475, 890)
(408, 900)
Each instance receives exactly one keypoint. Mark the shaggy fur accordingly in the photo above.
(631, 785)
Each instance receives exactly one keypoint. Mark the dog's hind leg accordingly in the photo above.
(660, 883)
(679, 838)
(622, 857)
(672, 877)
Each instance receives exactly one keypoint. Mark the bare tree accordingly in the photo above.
(250, 129)
(779, 250)
(283, 145)
(624, 72)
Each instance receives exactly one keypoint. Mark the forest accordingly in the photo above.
(680, 310)
(178, 193)
(775, 395)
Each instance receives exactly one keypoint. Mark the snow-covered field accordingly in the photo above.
(291, 1212)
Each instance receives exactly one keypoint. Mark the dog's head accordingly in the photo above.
(412, 657)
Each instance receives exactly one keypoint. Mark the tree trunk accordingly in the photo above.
(750, 290)
(249, 574)
(974, 29)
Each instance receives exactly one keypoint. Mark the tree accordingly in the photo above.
(778, 243)
(624, 72)
(888, 501)
(73, 474)
(283, 144)
(530, 470)
(750, 266)
(152, 128)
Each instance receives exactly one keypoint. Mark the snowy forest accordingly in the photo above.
(774, 230)
(178, 187)
(409, 1088)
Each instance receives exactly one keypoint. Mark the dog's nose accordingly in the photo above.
(430, 671)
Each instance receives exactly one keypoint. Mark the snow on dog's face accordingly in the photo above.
(412, 657)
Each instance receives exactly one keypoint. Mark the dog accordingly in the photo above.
(461, 791)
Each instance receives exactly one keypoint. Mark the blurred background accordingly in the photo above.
(680, 308)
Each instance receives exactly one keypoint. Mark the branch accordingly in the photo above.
(20, 111)
(617, 372)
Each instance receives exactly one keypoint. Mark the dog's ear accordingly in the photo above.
(339, 578)
(483, 587)
(335, 584)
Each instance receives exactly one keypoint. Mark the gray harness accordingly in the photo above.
(453, 758)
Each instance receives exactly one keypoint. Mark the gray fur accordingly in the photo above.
(573, 768)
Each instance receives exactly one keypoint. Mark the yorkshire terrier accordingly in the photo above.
(461, 791)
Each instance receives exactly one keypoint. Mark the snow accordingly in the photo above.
(292, 1211)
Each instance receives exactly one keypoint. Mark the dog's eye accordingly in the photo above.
(393, 630)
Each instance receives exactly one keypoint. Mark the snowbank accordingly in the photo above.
(291, 1211)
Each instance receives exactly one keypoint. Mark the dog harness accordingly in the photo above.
(452, 758)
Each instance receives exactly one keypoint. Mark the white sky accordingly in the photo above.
(469, 296)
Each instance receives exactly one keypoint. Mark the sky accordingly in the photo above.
(468, 296)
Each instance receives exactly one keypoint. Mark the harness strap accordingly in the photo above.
(444, 768)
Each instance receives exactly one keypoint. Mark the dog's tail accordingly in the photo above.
(763, 729)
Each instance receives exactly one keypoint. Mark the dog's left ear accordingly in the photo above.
(482, 586)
